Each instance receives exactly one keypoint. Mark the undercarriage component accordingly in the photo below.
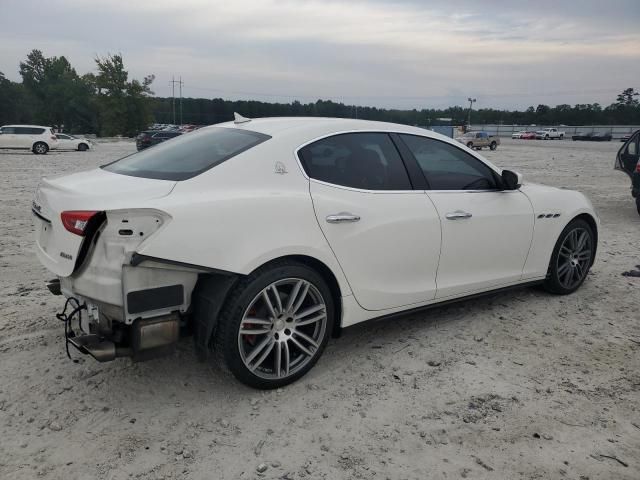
(143, 340)
(96, 346)
(54, 286)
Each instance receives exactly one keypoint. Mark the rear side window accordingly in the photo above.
(188, 155)
(447, 167)
(367, 161)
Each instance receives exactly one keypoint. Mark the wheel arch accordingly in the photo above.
(212, 291)
(591, 221)
(327, 275)
(33, 146)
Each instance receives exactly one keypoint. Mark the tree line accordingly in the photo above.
(109, 103)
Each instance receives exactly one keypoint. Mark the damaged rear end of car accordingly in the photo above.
(122, 304)
(93, 229)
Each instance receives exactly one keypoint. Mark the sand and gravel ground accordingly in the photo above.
(520, 385)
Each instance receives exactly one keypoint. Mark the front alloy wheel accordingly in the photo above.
(275, 325)
(571, 259)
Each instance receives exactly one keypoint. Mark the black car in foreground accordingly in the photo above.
(592, 137)
(150, 138)
(628, 160)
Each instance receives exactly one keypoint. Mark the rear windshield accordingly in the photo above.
(188, 155)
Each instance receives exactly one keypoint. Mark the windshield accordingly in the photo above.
(188, 155)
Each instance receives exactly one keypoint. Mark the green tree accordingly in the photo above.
(628, 98)
(123, 105)
(60, 96)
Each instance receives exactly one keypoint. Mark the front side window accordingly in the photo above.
(447, 167)
(368, 161)
(189, 155)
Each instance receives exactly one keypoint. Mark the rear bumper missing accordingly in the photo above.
(143, 340)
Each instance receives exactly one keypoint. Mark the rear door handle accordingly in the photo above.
(342, 217)
(458, 215)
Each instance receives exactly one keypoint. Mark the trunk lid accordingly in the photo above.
(95, 190)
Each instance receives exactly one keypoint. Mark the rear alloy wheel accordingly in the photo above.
(40, 148)
(493, 146)
(83, 147)
(275, 326)
(470, 144)
(571, 259)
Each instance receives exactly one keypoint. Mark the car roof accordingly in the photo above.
(312, 127)
(30, 126)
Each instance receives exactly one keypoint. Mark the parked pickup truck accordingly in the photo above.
(549, 134)
(478, 140)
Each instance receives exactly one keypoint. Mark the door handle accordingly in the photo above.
(458, 215)
(342, 217)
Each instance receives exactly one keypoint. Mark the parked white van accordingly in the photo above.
(36, 138)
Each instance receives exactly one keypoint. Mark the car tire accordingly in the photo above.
(469, 144)
(83, 147)
(40, 148)
(546, 137)
(493, 146)
(291, 344)
(571, 258)
(561, 137)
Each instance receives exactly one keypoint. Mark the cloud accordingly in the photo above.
(387, 53)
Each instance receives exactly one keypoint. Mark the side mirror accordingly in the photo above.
(511, 180)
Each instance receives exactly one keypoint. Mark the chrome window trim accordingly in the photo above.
(296, 154)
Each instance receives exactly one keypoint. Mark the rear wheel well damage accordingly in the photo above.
(212, 291)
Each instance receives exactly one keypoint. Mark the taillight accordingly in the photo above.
(638, 167)
(54, 138)
(76, 221)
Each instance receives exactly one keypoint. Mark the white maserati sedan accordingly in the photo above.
(265, 237)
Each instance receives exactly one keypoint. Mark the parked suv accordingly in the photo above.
(628, 160)
(36, 138)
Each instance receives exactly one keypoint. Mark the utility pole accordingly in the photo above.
(471, 102)
(181, 99)
(173, 97)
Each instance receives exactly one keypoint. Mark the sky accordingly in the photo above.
(386, 53)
